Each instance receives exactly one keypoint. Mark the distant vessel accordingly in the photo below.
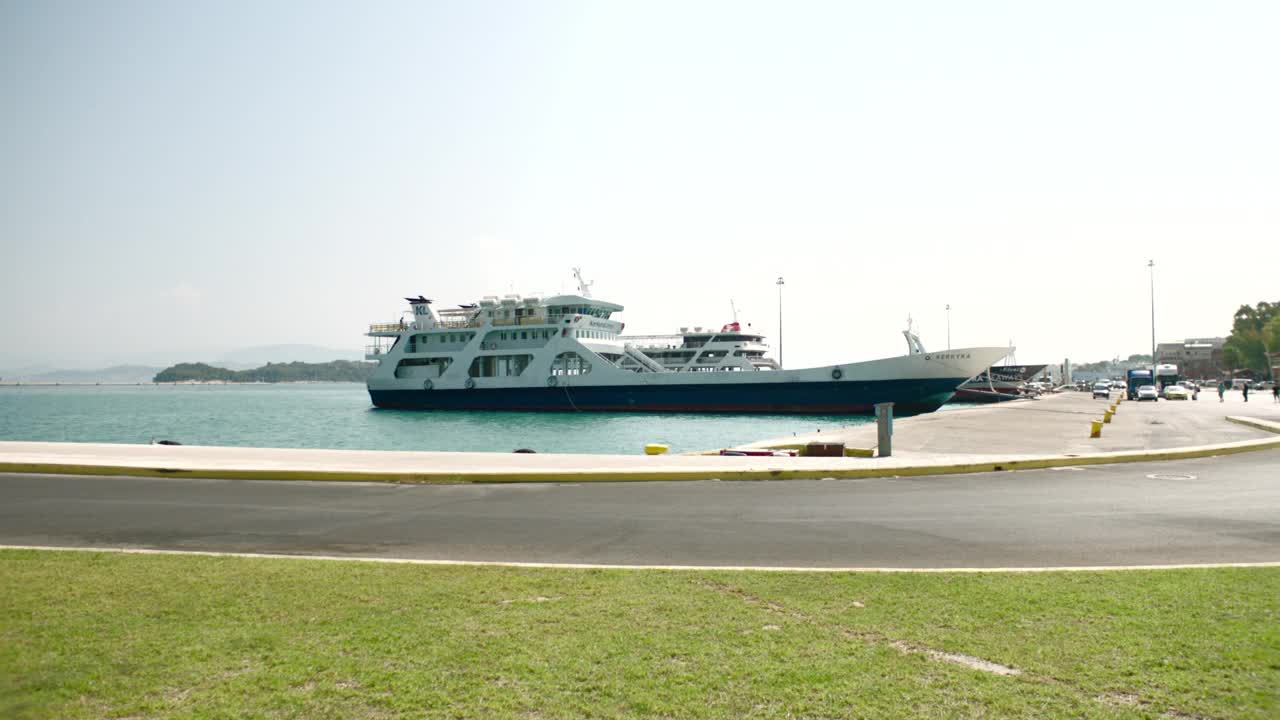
(997, 383)
(700, 350)
(567, 353)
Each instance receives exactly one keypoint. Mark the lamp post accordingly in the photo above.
(1151, 269)
(948, 326)
(779, 284)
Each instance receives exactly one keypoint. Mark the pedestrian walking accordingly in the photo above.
(1275, 392)
(1245, 389)
(1222, 390)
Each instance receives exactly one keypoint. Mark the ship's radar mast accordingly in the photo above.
(584, 287)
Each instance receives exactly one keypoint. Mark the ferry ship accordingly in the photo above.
(567, 353)
(701, 350)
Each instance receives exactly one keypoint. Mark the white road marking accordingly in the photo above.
(594, 566)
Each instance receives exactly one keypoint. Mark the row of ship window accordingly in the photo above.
(553, 312)
(450, 338)
(585, 310)
(566, 363)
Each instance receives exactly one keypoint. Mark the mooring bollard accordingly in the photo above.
(1095, 428)
(884, 428)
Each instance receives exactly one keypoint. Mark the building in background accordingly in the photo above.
(1195, 357)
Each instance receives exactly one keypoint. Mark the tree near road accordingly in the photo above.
(1254, 332)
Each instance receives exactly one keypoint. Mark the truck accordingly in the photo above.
(1166, 375)
(1135, 379)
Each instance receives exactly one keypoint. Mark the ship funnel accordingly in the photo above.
(424, 318)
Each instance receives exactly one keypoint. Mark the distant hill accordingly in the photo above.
(119, 374)
(335, 371)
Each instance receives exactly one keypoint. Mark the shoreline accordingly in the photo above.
(180, 382)
(1039, 434)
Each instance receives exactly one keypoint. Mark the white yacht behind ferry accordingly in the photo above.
(567, 353)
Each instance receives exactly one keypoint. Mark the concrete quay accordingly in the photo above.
(1059, 424)
(1050, 432)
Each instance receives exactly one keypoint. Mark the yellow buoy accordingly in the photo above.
(655, 449)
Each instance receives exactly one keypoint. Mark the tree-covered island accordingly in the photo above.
(336, 371)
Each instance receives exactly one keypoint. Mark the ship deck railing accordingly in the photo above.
(529, 320)
(453, 319)
(387, 327)
(633, 338)
(449, 323)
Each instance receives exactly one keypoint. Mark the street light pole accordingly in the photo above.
(1151, 269)
(948, 326)
(779, 284)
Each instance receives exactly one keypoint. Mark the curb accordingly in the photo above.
(1256, 423)
(577, 476)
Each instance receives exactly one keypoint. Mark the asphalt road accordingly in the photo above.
(1213, 510)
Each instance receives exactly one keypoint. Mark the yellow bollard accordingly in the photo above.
(1095, 428)
(1114, 406)
(1106, 417)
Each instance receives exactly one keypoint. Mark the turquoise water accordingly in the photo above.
(339, 416)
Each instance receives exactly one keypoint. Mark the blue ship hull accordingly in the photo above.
(910, 397)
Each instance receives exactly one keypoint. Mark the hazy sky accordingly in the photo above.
(193, 177)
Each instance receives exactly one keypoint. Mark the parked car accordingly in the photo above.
(1147, 392)
(1176, 392)
(1102, 390)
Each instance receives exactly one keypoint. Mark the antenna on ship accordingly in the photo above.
(584, 287)
(734, 308)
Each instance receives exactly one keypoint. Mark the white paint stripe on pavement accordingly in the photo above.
(595, 566)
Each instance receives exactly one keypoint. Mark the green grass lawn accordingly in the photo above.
(94, 635)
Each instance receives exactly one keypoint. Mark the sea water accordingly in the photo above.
(339, 415)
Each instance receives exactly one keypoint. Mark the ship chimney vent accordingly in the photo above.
(424, 318)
